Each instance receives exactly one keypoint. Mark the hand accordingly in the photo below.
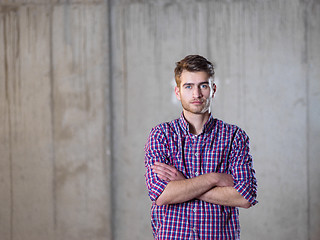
(167, 172)
(224, 180)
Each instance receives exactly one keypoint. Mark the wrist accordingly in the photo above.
(214, 178)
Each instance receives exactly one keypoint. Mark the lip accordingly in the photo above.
(197, 102)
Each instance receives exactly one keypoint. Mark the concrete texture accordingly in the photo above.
(54, 167)
(83, 82)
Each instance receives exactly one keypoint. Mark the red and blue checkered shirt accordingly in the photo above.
(221, 148)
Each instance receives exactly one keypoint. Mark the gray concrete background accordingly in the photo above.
(83, 82)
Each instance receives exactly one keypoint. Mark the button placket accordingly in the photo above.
(197, 157)
(194, 220)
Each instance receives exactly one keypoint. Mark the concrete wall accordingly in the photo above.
(82, 83)
(55, 173)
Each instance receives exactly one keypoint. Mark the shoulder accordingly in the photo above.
(223, 126)
(230, 129)
(164, 129)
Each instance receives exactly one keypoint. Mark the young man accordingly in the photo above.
(198, 168)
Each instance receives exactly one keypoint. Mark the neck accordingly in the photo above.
(196, 121)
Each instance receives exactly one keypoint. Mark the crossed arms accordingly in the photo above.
(216, 188)
(167, 185)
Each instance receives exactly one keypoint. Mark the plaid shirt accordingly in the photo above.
(222, 148)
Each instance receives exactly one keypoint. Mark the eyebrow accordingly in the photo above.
(189, 84)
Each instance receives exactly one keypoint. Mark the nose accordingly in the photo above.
(197, 92)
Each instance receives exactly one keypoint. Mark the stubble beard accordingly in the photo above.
(201, 109)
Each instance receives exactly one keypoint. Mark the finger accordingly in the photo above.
(166, 175)
(160, 164)
(162, 177)
(165, 166)
(163, 172)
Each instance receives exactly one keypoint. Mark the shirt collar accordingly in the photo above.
(206, 128)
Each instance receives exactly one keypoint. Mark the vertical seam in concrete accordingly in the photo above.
(5, 58)
(244, 63)
(111, 116)
(9, 122)
(208, 33)
(306, 61)
(125, 68)
(52, 106)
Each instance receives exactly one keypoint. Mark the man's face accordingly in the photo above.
(195, 92)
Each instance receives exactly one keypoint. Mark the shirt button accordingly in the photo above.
(194, 210)
(194, 229)
(196, 173)
(196, 154)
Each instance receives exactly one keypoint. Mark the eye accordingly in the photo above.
(187, 86)
(204, 86)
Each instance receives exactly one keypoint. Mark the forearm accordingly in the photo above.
(226, 196)
(184, 190)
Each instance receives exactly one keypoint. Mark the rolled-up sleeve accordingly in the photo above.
(155, 151)
(242, 167)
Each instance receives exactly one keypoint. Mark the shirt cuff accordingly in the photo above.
(246, 190)
(157, 189)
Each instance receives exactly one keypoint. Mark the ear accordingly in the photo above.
(177, 92)
(214, 89)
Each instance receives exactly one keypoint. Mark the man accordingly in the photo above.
(198, 168)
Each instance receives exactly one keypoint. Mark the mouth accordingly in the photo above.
(197, 102)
